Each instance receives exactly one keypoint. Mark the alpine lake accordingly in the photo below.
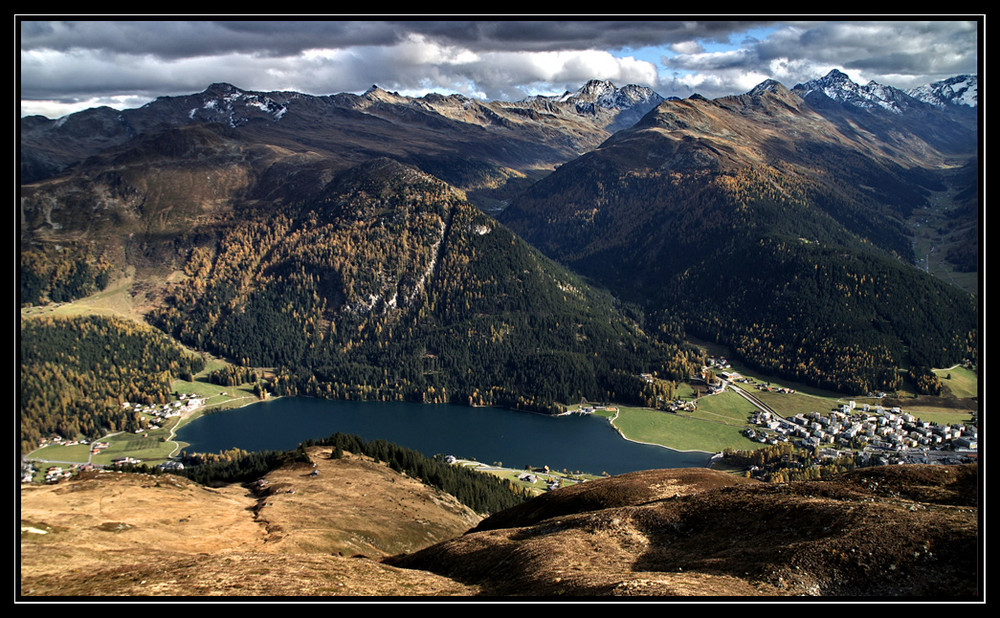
(574, 442)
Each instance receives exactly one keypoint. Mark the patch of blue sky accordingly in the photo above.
(736, 40)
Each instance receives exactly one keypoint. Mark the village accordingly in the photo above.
(155, 417)
(875, 433)
(186, 402)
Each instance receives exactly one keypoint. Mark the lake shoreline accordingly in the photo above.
(624, 437)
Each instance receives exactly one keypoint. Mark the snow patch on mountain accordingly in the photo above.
(604, 94)
(235, 107)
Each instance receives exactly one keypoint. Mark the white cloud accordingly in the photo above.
(687, 47)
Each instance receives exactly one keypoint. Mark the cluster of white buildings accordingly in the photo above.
(56, 474)
(874, 427)
(58, 440)
(120, 461)
(187, 402)
(550, 483)
(53, 474)
(717, 361)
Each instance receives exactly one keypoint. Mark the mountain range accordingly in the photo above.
(337, 238)
(529, 255)
(778, 222)
(464, 141)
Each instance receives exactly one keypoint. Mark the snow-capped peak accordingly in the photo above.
(958, 90)
(604, 94)
(839, 87)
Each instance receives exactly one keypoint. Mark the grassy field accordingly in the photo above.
(540, 485)
(726, 407)
(790, 404)
(941, 416)
(114, 300)
(151, 447)
(961, 382)
(716, 425)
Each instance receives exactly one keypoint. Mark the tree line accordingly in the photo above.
(782, 463)
(60, 276)
(483, 493)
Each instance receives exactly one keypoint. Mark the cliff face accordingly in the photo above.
(903, 531)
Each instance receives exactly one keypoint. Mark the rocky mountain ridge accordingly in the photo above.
(958, 90)
(534, 132)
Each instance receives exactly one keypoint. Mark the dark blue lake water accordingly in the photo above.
(514, 439)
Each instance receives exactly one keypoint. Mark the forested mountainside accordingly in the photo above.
(762, 222)
(387, 285)
(390, 285)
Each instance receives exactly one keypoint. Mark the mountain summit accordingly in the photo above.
(604, 94)
(838, 86)
(958, 90)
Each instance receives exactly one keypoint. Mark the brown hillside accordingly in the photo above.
(880, 532)
(889, 532)
(113, 534)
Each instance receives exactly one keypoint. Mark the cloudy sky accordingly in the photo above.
(68, 65)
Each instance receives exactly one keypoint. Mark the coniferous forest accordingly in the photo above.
(392, 289)
(799, 280)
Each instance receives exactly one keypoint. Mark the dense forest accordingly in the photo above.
(75, 374)
(391, 286)
(849, 322)
(61, 275)
(799, 279)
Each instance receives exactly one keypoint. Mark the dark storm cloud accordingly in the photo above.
(176, 39)
(926, 50)
(551, 35)
(191, 38)
(113, 61)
